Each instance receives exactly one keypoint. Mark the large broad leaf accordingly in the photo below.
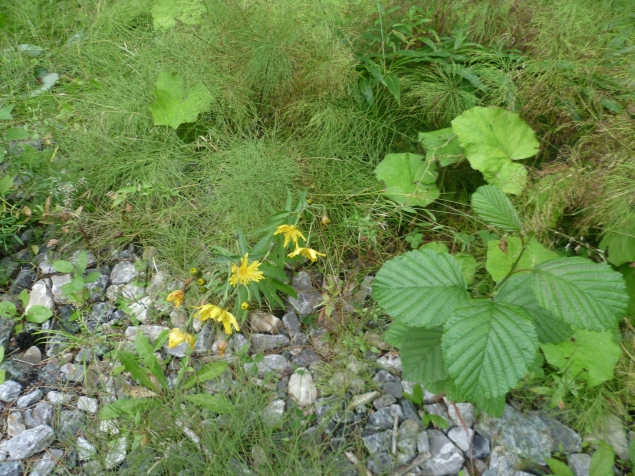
(502, 254)
(216, 403)
(492, 139)
(409, 180)
(585, 294)
(602, 460)
(442, 145)
(620, 243)
(590, 356)
(492, 205)
(421, 356)
(394, 334)
(420, 288)
(175, 104)
(165, 13)
(488, 347)
(517, 290)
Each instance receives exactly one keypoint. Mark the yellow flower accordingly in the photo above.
(228, 320)
(177, 336)
(308, 253)
(208, 311)
(291, 233)
(176, 297)
(245, 272)
(244, 306)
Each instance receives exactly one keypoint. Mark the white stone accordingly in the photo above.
(40, 295)
(85, 450)
(461, 437)
(45, 466)
(57, 281)
(265, 323)
(116, 453)
(10, 391)
(88, 404)
(466, 410)
(123, 273)
(272, 413)
(109, 427)
(30, 442)
(58, 398)
(29, 399)
(302, 388)
(390, 362)
(151, 332)
(15, 424)
(140, 308)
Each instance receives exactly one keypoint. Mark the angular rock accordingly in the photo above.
(302, 388)
(612, 432)
(299, 339)
(423, 443)
(265, 323)
(44, 263)
(15, 424)
(59, 398)
(85, 355)
(579, 463)
(57, 281)
(564, 438)
(393, 388)
(41, 414)
(7, 327)
(179, 317)
(20, 372)
(24, 280)
(10, 391)
(273, 413)
(11, 468)
(528, 436)
(291, 323)
(276, 364)
(97, 289)
(302, 282)
(71, 421)
(265, 342)
(239, 344)
(445, 458)
(40, 295)
(466, 411)
(481, 447)
(85, 449)
(379, 442)
(116, 453)
(101, 311)
(461, 437)
(64, 316)
(306, 358)
(321, 341)
(49, 376)
(140, 309)
(29, 399)
(87, 404)
(30, 442)
(503, 461)
(437, 409)
(384, 401)
(151, 332)
(33, 355)
(204, 340)
(47, 463)
(176, 351)
(128, 291)
(380, 463)
(390, 362)
(382, 419)
(123, 273)
(306, 303)
(407, 438)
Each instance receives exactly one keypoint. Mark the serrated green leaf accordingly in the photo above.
(207, 372)
(492, 139)
(5, 112)
(165, 13)
(409, 180)
(175, 104)
(38, 314)
(420, 288)
(602, 460)
(16, 133)
(488, 347)
(129, 361)
(469, 265)
(442, 145)
(559, 468)
(492, 205)
(438, 246)
(591, 356)
(580, 292)
(620, 243)
(128, 407)
(7, 309)
(421, 356)
(501, 257)
(395, 333)
(62, 266)
(517, 290)
(216, 403)
(6, 183)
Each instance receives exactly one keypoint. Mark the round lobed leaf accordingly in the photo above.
(580, 292)
(488, 347)
(420, 288)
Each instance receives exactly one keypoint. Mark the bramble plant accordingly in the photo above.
(479, 349)
(37, 314)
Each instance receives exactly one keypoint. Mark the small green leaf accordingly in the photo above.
(559, 468)
(6, 183)
(7, 309)
(129, 361)
(602, 460)
(161, 340)
(442, 145)
(420, 288)
(5, 112)
(1, 353)
(488, 347)
(38, 314)
(24, 297)
(207, 372)
(175, 104)
(438, 421)
(421, 356)
(16, 133)
(409, 180)
(167, 13)
(592, 356)
(92, 277)
(62, 266)
(492, 205)
(501, 255)
(417, 395)
(127, 407)
(216, 403)
(81, 262)
(580, 292)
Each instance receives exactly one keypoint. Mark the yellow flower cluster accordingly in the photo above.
(209, 311)
(291, 233)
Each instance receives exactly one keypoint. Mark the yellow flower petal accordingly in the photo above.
(176, 297)
(246, 272)
(308, 253)
(177, 336)
(291, 233)
(207, 311)
(228, 320)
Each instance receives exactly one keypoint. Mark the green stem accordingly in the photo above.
(512, 270)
